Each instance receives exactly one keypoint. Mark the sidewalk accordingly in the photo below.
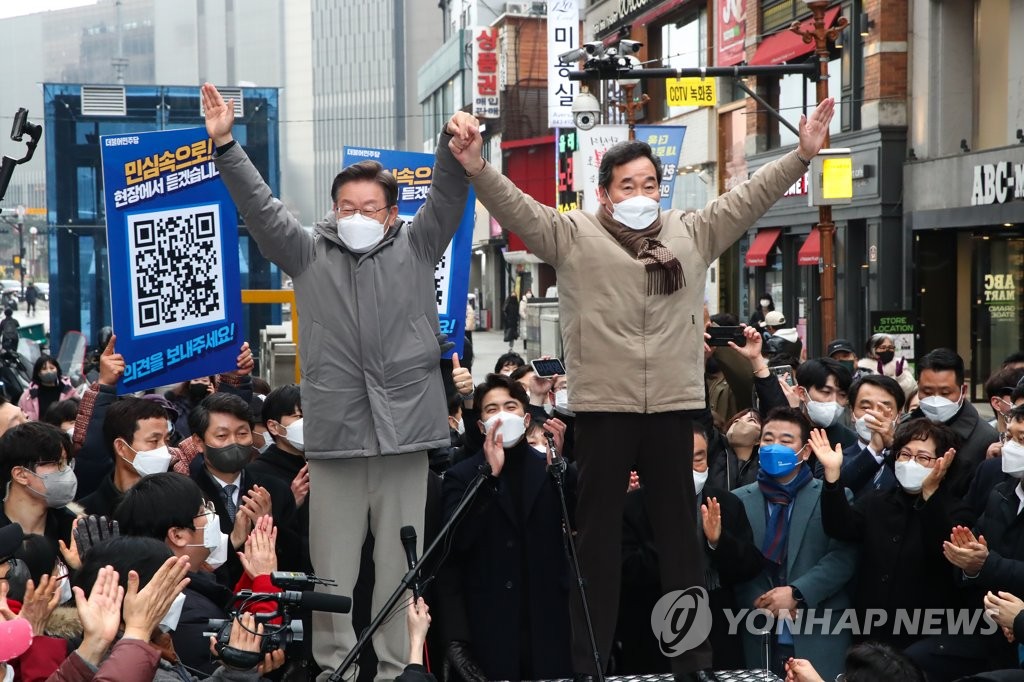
(487, 348)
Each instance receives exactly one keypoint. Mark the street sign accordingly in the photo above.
(691, 92)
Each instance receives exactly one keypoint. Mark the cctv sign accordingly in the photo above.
(485, 64)
(563, 36)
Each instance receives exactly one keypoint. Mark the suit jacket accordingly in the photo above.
(1003, 529)
(489, 546)
(289, 547)
(820, 567)
(987, 476)
(861, 472)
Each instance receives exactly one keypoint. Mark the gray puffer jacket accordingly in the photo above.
(371, 377)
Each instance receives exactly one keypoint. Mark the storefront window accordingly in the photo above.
(798, 96)
(996, 293)
(684, 45)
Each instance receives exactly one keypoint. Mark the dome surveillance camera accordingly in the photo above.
(585, 111)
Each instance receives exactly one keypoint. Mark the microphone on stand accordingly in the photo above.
(408, 535)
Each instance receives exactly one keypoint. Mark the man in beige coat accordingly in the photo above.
(631, 284)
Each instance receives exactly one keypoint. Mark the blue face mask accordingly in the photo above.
(778, 460)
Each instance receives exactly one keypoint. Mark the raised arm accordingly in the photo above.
(724, 220)
(438, 221)
(278, 234)
(546, 232)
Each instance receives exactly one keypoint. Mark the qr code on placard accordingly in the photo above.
(176, 268)
(442, 274)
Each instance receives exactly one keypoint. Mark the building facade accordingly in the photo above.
(76, 117)
(964, 181)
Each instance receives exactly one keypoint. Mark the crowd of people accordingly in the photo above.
(583, 522)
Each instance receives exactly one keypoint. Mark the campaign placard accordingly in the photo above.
(172, 235)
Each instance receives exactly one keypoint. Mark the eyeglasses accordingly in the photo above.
(208, 510)
(62, 465)
(882, 349)
(366, 212)
(923, 460)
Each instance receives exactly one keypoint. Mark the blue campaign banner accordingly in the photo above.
(172, 235)
(667, 143)
(414, 172)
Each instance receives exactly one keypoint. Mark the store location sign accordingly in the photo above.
(997, 183)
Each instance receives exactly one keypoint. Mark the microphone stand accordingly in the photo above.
(407, 581)
(557, 470)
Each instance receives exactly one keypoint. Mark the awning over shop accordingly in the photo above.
(810, 252)
(785, 45)
(757, 255)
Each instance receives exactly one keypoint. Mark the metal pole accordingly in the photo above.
(820, 35)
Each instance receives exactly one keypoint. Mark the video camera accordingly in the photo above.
(22, 126)
(296, 595)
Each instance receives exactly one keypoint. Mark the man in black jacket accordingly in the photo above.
(515, 577)
(876, 401)
(222, 425)
(944, 399)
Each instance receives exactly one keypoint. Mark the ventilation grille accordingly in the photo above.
(227, 93)
(104, 100)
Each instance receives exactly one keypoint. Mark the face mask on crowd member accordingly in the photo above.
(503, 406)
(941, 386)
(874, 400)
(700, 461)
(745, 430)
(823, 385)
(36, 469)
(631, 194)
(198, 389)
(282, 416)
(222, 424)
(46, 372)
(365, 200)
(1012, 455)
(138, 431)
(999, 390)
(914, 461)
(537, 440)
(783, 445)
(884, 348)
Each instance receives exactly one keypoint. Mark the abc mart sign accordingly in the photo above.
(997, 183)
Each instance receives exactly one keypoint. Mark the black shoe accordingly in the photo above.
(699, 676)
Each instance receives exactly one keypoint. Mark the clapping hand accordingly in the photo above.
(1003, 607)
(100, 615)
(260, 555)
(145, 608)
(934, 478)
(964, 551)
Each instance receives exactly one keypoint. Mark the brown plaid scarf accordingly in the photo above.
(664, 271)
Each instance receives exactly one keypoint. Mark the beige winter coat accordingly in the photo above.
(626, 351)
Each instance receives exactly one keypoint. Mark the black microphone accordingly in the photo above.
(307, 599)
(408, 535)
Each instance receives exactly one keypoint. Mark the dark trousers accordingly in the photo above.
(660, 447)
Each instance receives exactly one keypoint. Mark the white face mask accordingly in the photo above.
(267, 442)
(71, 432)
(169, 623)
(940, 410)
(1013, 459)
(823, 414)
(636, 213)
(170, 426)
(911, 475)
(513, 428)
(148, 462)
(562, 398)
(293, 432)
(359, 233)
(699, 479)
(460, 426)
(765, 303)
(215, 541)
(542, 449)
(65, 584)
(863, 431)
